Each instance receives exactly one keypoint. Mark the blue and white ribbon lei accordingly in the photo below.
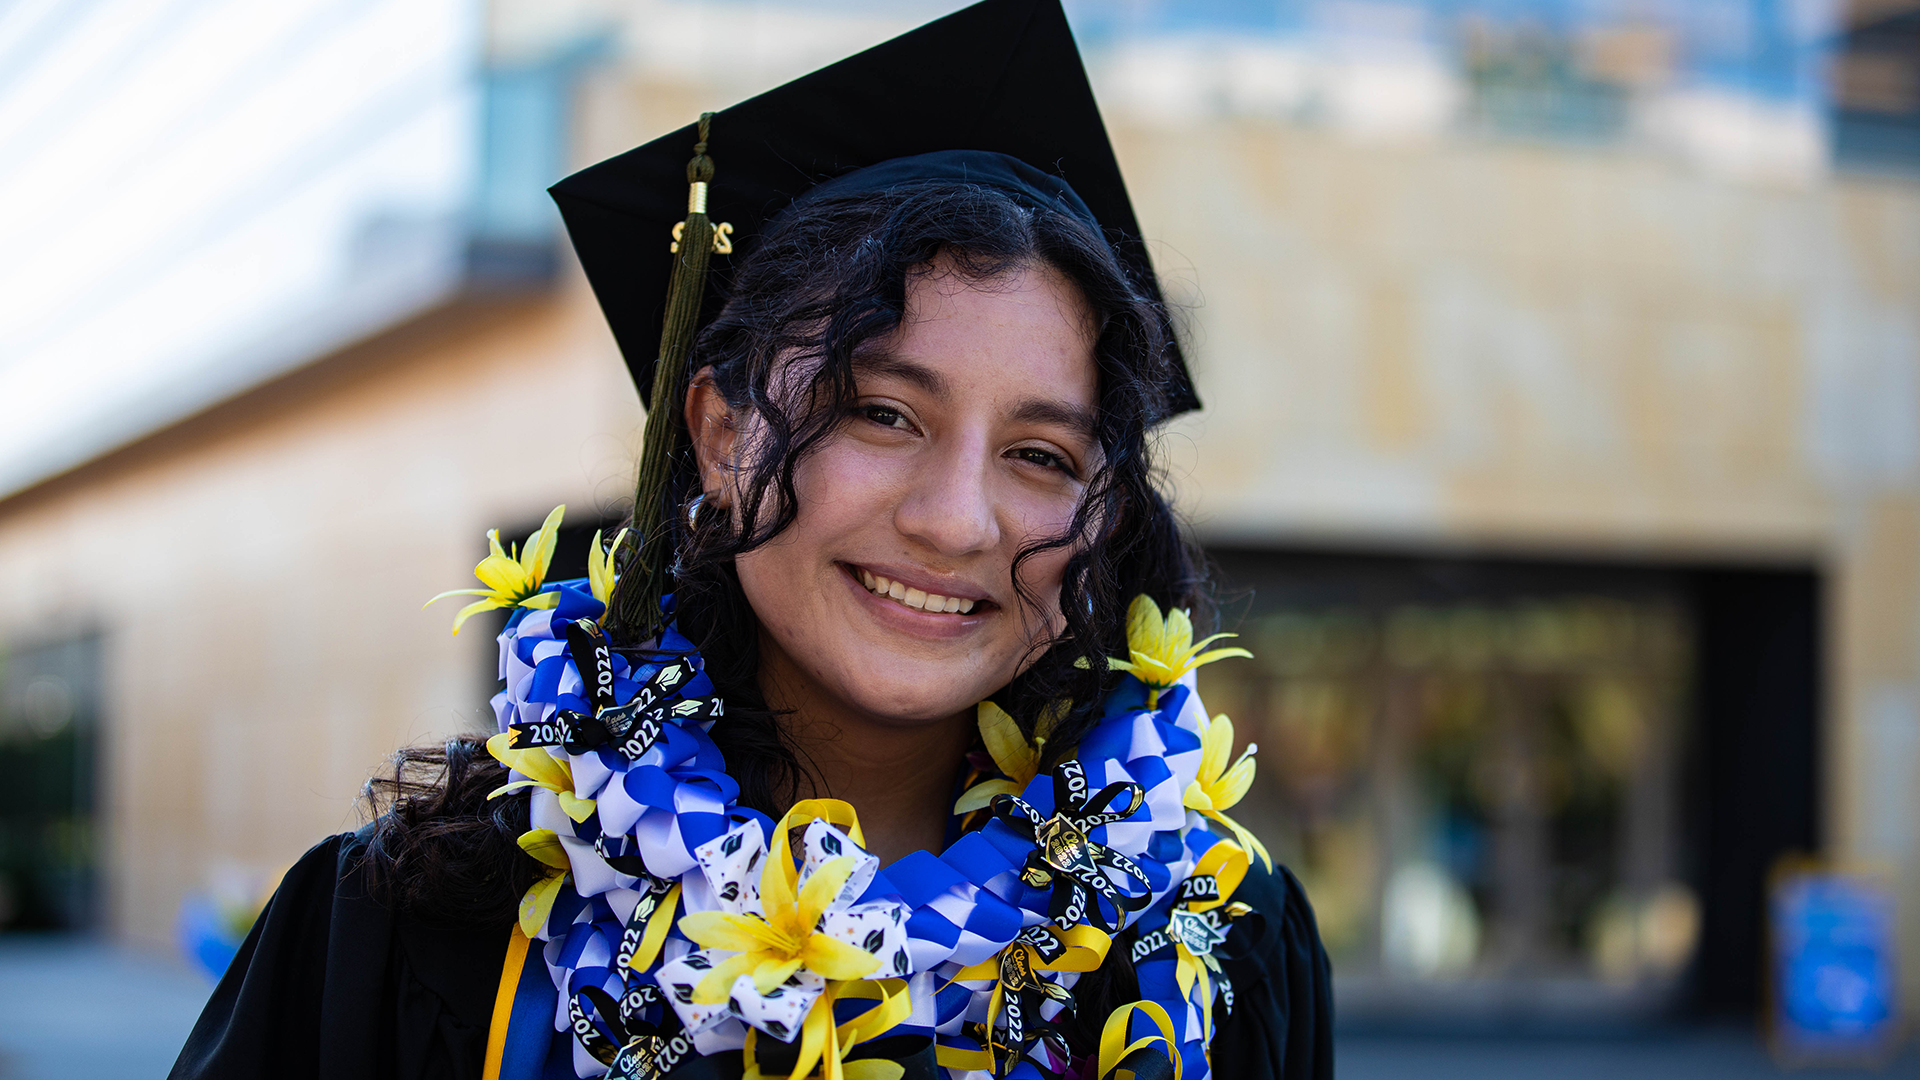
(927, 917)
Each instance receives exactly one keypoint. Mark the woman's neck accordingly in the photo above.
(899, 777)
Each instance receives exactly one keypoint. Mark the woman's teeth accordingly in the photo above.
(913, 598)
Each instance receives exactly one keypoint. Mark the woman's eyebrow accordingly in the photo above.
(1058, 414)
(1078, 420)
(887, 365)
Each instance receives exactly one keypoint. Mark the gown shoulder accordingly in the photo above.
(330, 985)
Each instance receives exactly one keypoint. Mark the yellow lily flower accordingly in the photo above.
(1163, 650)
(600, 565)
(1012, 754)
(544, 845)
(784, 941)
(1219, 787)
(512, 576)
(783, 937)
(542, 770)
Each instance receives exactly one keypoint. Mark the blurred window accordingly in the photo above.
(1876, 77)
(1475, 772)
(49, 726)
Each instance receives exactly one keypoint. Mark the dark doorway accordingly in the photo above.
(49, 740)
(1755, 765)
(1529, 790)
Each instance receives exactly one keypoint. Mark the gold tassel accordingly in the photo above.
(635, 605)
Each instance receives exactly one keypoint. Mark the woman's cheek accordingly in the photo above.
(1045, 572)
(845, 474)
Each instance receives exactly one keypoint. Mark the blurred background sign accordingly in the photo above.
(1835, 997)
(1561, 454)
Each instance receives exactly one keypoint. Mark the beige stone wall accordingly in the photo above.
(1536, 345)
(258, 574)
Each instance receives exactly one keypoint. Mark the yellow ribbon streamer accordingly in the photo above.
(1228, 863)
(836, 812)
(655, 936)
(953, 1057)
(1114, 1047)
(1188, 970)
(1085, 949)
(826, 1045)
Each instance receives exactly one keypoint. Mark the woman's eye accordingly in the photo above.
(885, 416)
(1046, 459)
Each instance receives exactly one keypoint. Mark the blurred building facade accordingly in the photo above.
(1561, 450)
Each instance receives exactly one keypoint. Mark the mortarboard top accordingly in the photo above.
(1001, 76)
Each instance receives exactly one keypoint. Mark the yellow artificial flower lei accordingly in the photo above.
(512, 576)
(1162, 650)
(1011, 753)
(786, 940)
(1219, 787)
(771, 948)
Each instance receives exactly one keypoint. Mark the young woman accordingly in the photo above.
(878, 754)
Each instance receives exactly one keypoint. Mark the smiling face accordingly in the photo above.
(890, 598)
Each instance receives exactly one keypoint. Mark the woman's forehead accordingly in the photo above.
(1034, 288)
(1022, 334)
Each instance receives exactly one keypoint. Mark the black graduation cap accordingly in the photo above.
(993, 93)
(1002, 76)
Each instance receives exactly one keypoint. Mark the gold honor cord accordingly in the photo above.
(635, 602)
(1141, 1058)
(510, 969)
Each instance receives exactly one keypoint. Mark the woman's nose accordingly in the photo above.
(949, 507)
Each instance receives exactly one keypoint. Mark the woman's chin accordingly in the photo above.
(911, 693)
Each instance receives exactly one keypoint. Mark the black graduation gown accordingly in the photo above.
(330, 985)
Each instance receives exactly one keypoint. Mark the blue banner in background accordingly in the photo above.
(1835, 991)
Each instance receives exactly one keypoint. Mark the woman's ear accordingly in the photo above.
(710, 424)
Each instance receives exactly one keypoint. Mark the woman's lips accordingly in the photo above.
(907, 596)
(915, 622)
(918, 602)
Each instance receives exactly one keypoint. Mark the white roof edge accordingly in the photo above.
(377, 299)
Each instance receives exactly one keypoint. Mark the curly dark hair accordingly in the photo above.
(829, 277)
(437, 847)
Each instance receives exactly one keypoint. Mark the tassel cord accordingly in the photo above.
(634, 609)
